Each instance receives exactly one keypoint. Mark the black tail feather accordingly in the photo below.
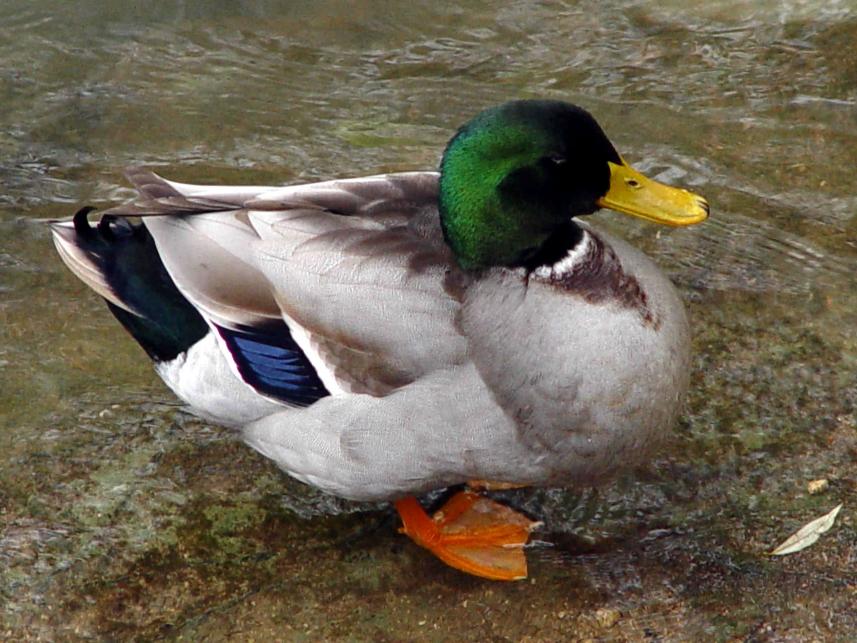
(125, 257)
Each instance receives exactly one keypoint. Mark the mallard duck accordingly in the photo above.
(384, 336)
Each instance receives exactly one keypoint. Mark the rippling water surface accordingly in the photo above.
(753, 104)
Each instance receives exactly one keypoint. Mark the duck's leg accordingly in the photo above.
(471, 533)
(369, 448)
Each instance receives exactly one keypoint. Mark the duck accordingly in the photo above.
(385, 336)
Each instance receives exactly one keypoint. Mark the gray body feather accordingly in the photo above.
(563, 375)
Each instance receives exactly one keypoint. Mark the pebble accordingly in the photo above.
(817, 486)
(607, 617)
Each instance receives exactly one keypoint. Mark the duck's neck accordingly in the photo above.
(558, 247)
(499, 198)
(484, 222)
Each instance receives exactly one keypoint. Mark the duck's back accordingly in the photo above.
(298, 292)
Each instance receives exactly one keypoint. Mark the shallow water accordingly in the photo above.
(103, 477)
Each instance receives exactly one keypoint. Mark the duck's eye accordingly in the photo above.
(557, 159)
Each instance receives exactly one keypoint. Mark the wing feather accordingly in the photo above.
(210, 272)
(350, 283)
(356, 267)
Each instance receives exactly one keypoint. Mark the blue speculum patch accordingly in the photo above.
(270, 361)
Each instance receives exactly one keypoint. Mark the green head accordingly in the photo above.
(515, 174)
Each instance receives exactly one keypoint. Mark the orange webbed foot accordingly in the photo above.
(472, 534)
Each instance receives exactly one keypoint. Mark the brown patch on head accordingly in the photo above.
(598, 277)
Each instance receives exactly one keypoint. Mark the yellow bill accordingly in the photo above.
(632, 193)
